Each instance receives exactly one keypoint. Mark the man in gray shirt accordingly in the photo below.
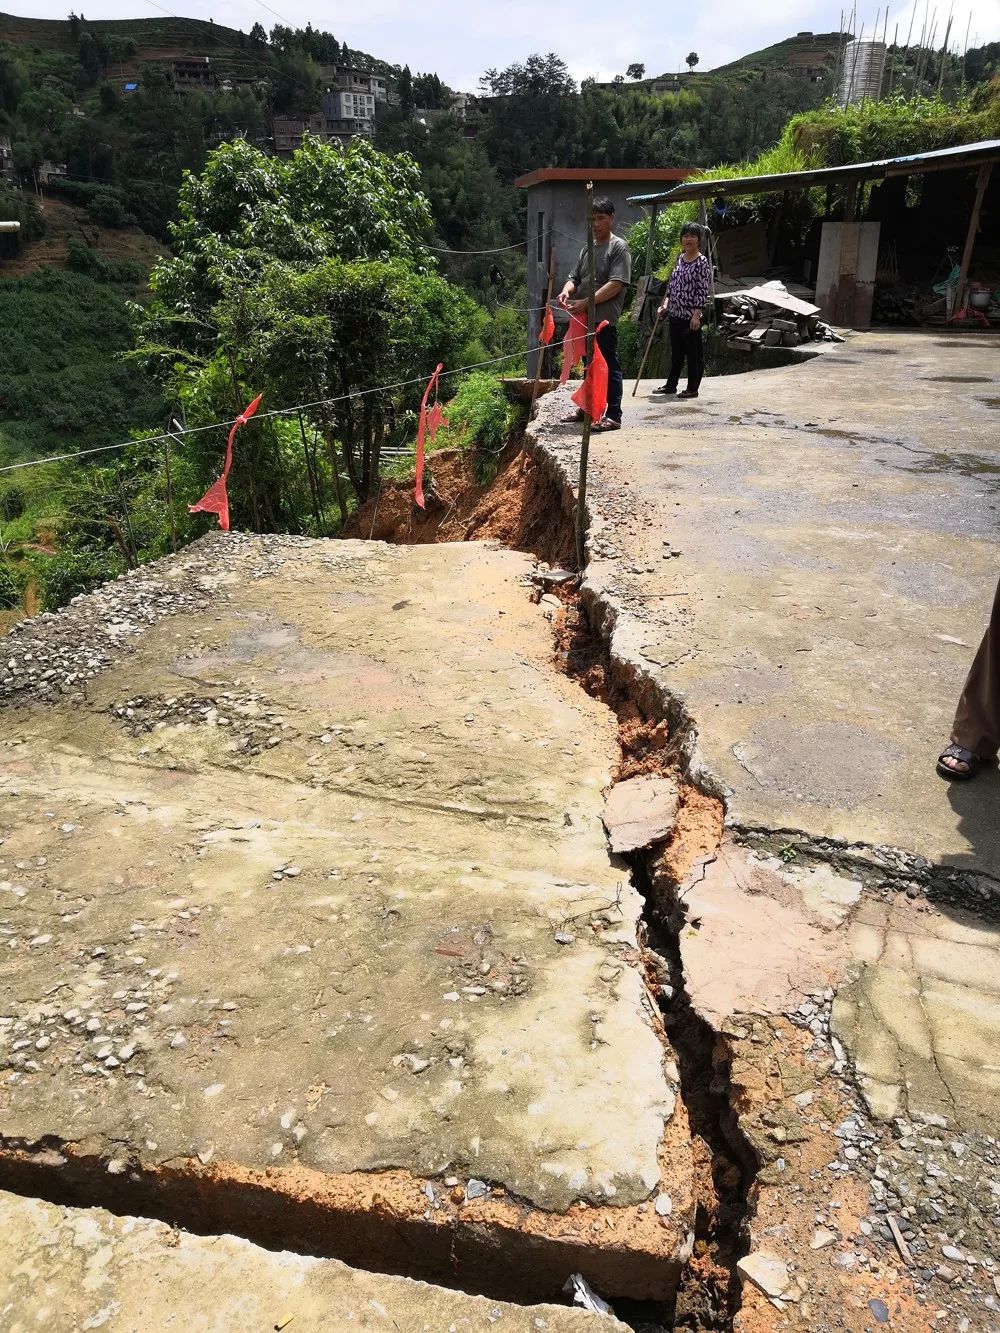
(612, 272)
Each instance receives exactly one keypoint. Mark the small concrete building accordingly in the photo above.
(556, 222)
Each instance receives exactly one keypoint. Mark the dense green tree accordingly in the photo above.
(13, 83)
(246, 210)
(44, 109)
(257, 34)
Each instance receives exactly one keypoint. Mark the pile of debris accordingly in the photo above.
(768, 316)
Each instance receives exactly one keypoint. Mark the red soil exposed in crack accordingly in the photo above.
(522, 508)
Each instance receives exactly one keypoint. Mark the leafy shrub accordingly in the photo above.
(74, 572)
(480, 418)
(107, 208)
(85, 259)
(11, 503)
(10, 587)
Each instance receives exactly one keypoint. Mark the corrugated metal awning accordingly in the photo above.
(942, 159)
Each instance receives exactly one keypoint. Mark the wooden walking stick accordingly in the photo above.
(540, 361)
(645, 355)
(581, 491)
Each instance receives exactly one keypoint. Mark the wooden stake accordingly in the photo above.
(540, 355)
(170, 495)
(970, 240)
(645, 355)
(581, 490)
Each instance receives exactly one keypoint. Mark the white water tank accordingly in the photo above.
(861, 73)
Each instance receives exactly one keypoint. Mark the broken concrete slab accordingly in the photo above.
(920, 1014)
(307, 899)
(759, 935)
(640, 812)
(85, 1268)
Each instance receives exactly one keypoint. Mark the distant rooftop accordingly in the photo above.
(543, 174)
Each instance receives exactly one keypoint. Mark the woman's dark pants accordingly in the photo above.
(685, 345)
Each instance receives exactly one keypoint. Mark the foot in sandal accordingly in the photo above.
(957, 764)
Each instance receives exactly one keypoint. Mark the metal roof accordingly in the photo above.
(942, 159)
(637, 174)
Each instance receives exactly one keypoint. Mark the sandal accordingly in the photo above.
(963, 756)
(606, 423)
(571, 418)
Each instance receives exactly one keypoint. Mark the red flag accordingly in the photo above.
(548, 327)
(435, 418)
(592, 395)
(216, 498)
(418, 491)
(574, 347)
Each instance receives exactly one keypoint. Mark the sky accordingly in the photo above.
(458, 40)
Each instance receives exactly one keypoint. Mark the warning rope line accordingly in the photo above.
(275, 412)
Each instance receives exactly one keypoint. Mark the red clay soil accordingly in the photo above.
(517, 509)
(64, 223)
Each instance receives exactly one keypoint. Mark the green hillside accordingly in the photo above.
(805, 50)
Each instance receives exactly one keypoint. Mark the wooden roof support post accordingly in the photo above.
(970, 240)
(653, 213)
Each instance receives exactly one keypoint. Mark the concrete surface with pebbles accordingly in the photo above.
(311, 876)
(83, 1268)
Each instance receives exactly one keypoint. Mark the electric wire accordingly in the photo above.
(277, 411)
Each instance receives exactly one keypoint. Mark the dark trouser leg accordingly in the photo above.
(607, 341)
(695, 358)
(679, 328)
(977, 721)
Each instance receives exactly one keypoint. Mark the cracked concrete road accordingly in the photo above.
(83, 1268)
(837, 528)
(313, 884)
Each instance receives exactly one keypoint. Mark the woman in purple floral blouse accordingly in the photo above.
(685, 301)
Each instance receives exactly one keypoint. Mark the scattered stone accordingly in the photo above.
(880, 1310)
(766, 1272)
(822, 1237)
(640, 811)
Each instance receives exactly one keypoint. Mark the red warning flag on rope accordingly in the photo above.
(435, 414)
(592, 395)
(216, 498)
(548, 327)
(435, 418)
(574, 347)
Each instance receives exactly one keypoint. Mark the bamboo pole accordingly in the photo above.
(581, 490)
(892, 67)
(836, 63)
(540, 355)
(944, 51)
(170, 495)
(970, 240)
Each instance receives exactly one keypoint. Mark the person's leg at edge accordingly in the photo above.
(607, 341)
(695, 346)
(678, 328)
(977, 718)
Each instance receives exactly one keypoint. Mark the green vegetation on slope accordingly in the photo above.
(61, 384)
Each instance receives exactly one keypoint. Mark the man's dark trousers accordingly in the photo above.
(685, 345)
(607, 341)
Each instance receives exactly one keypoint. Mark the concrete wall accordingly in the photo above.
(562, 205)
